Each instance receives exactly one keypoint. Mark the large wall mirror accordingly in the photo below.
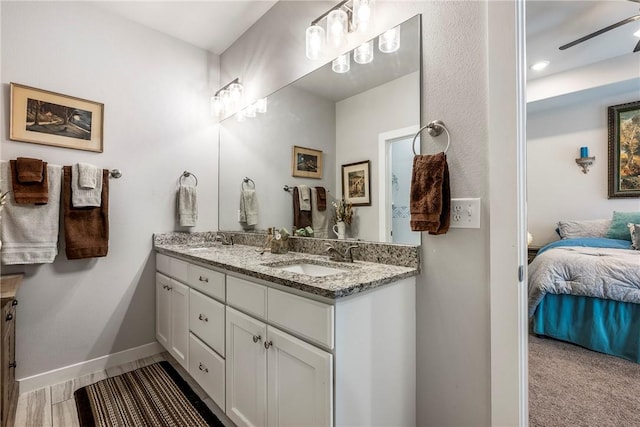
(369, 113)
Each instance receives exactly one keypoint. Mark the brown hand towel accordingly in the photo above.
(32, 192)
(301, 219)
(86, 229)
(30, 170)
(430, 197)
(321, 199)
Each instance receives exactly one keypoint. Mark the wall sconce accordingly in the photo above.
(584, 161)
(227, 98)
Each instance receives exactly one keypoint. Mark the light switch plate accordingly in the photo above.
(465, 213)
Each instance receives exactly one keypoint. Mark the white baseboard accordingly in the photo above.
(65, 373)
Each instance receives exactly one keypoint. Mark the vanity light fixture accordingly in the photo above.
(227, 98)
(362, 11)
(363, 54)
(539, 66)
(389, 41)
(342, 63)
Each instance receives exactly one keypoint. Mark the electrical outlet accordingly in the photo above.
(465, 213)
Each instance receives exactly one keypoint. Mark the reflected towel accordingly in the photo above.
(301, 219)
(30, 232)
(321, 198)
(30, 192)
(86, 229)
(85, 197)
(304, 194)
(319, 221)
(248, 207)
(187, 206)
(30, 170)
(88, 175)
(430, 197)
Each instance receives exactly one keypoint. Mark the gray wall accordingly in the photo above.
(156, 125)
(453, 333)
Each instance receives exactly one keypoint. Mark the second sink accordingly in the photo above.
(306, 268)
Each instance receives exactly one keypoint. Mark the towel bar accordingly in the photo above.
(187, 174)
(434, 129)
(288, 188)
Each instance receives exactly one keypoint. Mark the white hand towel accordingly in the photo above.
(249, 207)
(319, 221)
(30, 232)
(88, 175)
(187, 206)
(304, 194)
(85, 197)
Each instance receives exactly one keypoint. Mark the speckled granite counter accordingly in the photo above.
(357, 277)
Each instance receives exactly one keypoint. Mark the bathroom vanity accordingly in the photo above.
(290, 339)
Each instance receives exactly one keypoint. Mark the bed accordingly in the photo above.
(587, 291)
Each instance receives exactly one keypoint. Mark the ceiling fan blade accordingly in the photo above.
(637, 48)
(597, 33)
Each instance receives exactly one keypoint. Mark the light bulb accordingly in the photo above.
(225, 98)
(389, 41)
(314, 41)
(216, 105)
(337, 22)
(235, 93)
(362, 11)
(341, 64)
(363, 54)
(538, 66)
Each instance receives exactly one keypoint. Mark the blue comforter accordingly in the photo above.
(592, 242)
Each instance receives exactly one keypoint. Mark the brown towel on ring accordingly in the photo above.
(86, 229)
(30, 170)
(301, 219)
(321, 199)
(31, 192)
(430, 199)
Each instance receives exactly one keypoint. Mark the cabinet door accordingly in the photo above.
(163, 310)
(300, 386)
(246, 370)
(180, 323)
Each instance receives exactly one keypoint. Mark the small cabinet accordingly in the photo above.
(172, 317)
(8, 385)
(275, 379)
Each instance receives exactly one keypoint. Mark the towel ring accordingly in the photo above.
(187, 174)
(434, 129)
(247, 180)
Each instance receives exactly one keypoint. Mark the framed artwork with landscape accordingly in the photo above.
(356, 183)
(624, 150)
(50, 118)
(306, 162)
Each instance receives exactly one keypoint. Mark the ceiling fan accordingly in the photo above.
(604, 30)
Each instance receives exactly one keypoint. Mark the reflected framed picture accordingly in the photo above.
(624, 150)
(356, 183)
(306, 162)
(50, 118)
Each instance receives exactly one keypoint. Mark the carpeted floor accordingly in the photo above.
(572, 386)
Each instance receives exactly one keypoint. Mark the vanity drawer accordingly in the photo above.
(207, 281)
(208, 369)
(206, 320)
(247, 296)
(310, 319)
(179, 269)
(163, 264)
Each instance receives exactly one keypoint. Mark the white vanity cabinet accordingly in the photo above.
(172, 310)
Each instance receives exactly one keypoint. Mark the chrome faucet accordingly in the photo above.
(335, 254)
(223, 238)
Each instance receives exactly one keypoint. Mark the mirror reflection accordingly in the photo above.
(358, 123)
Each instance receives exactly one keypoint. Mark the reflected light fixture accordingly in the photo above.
(341, 64)
(363, 54)
(389, 41)
(362, 11)
(227, 98)
(539, 66)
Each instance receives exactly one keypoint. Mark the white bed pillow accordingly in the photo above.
(584, 228)
(634, 229)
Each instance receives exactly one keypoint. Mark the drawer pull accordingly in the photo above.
(256, 338)
(12, 364)
(14, 302)
(203, 317)
(203, 368)
(9, 317)
(268, 344)
(203, 279)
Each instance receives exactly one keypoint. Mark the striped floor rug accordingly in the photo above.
(152, 396)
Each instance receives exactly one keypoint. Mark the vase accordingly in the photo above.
(339, 229)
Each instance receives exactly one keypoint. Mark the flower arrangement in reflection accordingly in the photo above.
(344, 211)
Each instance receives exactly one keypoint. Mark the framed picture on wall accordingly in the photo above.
(356, 183)
(50, 118)
(624, 150)
(306, 162)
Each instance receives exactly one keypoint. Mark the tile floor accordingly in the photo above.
(54, 406)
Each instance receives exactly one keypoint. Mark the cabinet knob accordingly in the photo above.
(204, 279)
(203, 317)
(9, 317)
(12, 364)
(203, 368)
(14, 302)
(256, 338)
(268, 344)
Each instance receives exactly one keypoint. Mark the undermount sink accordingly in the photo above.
(314, 270)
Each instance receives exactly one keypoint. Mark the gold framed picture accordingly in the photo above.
(306, 162)
(43, 117)
(356, 183)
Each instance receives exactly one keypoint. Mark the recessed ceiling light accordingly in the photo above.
(637, 34)
(540, 65)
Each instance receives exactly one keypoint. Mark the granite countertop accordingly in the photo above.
(358, 276)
